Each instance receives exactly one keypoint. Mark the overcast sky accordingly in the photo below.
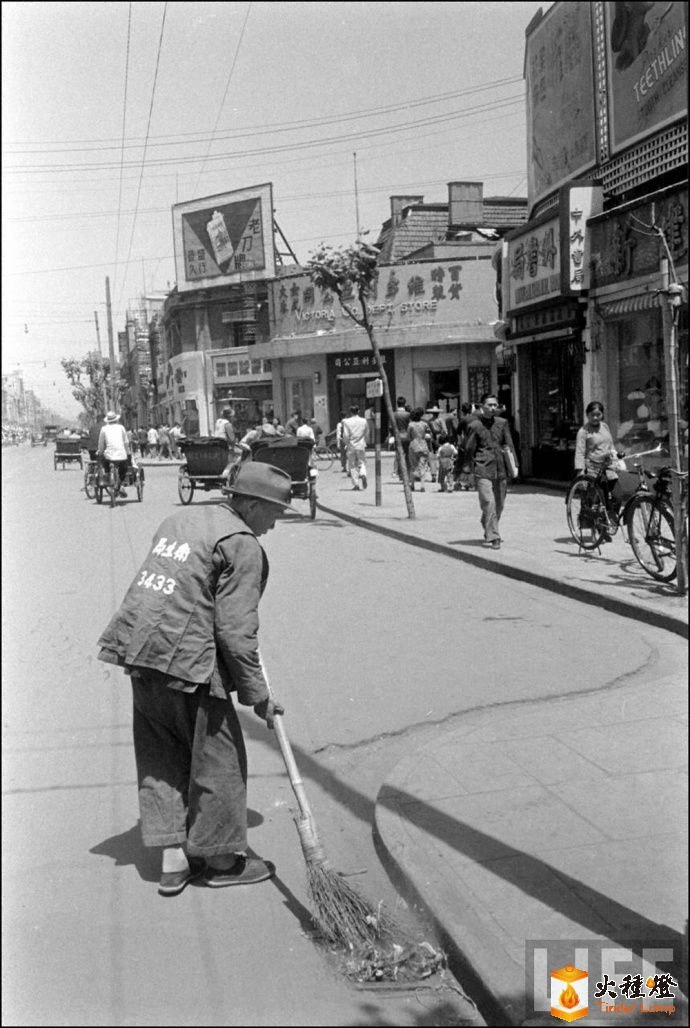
(219, 96)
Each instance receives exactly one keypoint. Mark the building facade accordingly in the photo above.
(584, 282)
(433, 312)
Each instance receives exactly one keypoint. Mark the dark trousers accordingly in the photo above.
(191, 768)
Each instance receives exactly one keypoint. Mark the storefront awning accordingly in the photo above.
(618, 308)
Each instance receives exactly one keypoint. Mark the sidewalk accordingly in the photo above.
(542, 821)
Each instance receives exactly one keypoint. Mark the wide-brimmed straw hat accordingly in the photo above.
(111, 417)
(263, 482)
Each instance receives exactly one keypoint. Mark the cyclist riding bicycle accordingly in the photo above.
(594, 454)
(114, 448)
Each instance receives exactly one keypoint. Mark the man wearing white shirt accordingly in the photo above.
(114, 448)
(355, 439)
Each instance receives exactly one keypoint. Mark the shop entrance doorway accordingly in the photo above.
(444, 389)
(352, 390)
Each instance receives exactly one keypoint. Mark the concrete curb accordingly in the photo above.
(624, 608)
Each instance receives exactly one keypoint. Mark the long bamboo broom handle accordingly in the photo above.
(288, 756)
(291, 767)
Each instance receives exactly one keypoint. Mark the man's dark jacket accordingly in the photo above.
(486, 438)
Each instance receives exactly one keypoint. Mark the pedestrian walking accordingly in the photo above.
(487, 436)
(293, 422)
(175, 436)
(164, 442)
(152, 441)
(401, 416)
(143, 441)
(317, 430)
(436, 428)
(370, 416)
(446, 456)
(340, 442)
(418, 451)
(187, 635)
(355, 439)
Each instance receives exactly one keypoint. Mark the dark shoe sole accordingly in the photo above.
(172, 883)
(249, 871)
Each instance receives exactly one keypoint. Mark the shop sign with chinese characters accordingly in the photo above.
(624, 246)
(427, 292)
(578, 203)
(548, 259)
(533, 271)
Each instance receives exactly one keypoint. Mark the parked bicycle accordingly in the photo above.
(651, 528)
(647, 515)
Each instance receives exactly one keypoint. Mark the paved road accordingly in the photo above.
(372, 646)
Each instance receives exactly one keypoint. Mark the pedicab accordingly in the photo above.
(67, 451)
(206, 458)
(100, 482)
(293, 456)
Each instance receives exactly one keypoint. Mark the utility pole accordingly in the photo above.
(356, 196)
(100, 362)
(111, 350)
(672, 293)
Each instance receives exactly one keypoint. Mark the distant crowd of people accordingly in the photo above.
(470, 447)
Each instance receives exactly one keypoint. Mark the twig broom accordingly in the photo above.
(341, 913)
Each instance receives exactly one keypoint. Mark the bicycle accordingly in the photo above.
(325, 455)
(591, 515)
(651, 528)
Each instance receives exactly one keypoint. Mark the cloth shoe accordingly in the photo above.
(245, 871)
(173, 882)
(123, 493)
(363, 479)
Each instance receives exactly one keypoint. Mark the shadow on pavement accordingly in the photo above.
(127, 849)
(573, 899)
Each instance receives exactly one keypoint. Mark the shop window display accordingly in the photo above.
(557, 384)
(638, 418)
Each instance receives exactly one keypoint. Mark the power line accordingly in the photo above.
(143, 158)
(227, 86)
(284, 148)
(122, 151)
(324, 160)
(270, 127)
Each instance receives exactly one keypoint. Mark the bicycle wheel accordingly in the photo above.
(324, 456)
(651, 532)
(113, 484)
(89, 484)
(312, 500)
(586, 512)
(185, 487)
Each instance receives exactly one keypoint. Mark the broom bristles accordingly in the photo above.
(342, 913)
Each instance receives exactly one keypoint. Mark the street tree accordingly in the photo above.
(351, 273)
(91, 385)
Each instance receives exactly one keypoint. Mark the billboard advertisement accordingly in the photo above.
(224, 238)
(647, 68)
(559, 78)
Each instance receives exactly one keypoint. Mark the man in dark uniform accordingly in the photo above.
(187, 634)
(486, 437)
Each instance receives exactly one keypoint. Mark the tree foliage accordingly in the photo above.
(90, 381)
(351, 274)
